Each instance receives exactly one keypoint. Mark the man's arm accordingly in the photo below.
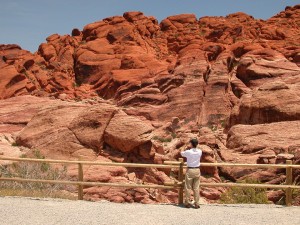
(183, 152)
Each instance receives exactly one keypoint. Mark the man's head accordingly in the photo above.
(194, 142)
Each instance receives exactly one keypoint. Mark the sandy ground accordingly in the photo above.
(16, 210)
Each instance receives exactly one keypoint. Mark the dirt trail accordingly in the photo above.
(19, 211)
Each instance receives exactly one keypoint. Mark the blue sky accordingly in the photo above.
(29, 22)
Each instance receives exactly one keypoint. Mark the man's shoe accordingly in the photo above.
(187, 205)
(197, 206)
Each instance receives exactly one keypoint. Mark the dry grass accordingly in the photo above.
(34, 170)
(247, 195)
(37, 193)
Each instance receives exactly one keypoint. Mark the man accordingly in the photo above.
(192, 176)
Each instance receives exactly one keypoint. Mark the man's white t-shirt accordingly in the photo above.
(193, 156)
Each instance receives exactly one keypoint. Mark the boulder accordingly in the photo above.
(90, 125)
(282, 158)
(127, 132)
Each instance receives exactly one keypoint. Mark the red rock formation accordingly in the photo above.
(282, 137)
(85, 131)
(271, 102)
(162, 84)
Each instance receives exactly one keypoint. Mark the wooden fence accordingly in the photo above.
(179, 184)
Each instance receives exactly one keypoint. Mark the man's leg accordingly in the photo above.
(196, 185)
(187, 188)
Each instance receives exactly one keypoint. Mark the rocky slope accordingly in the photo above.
(130, 89)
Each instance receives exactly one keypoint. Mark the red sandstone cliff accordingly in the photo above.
(139, 90)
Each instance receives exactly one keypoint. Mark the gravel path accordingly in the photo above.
(15, 210)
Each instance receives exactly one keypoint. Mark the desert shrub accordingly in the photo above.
(202, 32)
(245, 195)
(213, 127)
(295, 197)
(14, 144)
(173, 135)
(162, 139)
(32, 170)
(223, 123)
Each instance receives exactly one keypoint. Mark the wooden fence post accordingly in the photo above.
(288, 181)
(80, 178)
(180, 179)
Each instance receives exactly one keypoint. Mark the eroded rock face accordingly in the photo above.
(137, 62)
(271, 102)
(133, 90)
(66, 128)
(265, 144)
(16, 112)
(258, 65)
(23, 72)
(281, 137)
(12, 82)
(96, 131)
(50, 131)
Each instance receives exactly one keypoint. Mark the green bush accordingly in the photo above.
(245, 195)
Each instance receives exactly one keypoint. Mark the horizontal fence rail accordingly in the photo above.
(180, 165)
(283, 166)
(167, 164)
(136, 165)
(89, 183)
